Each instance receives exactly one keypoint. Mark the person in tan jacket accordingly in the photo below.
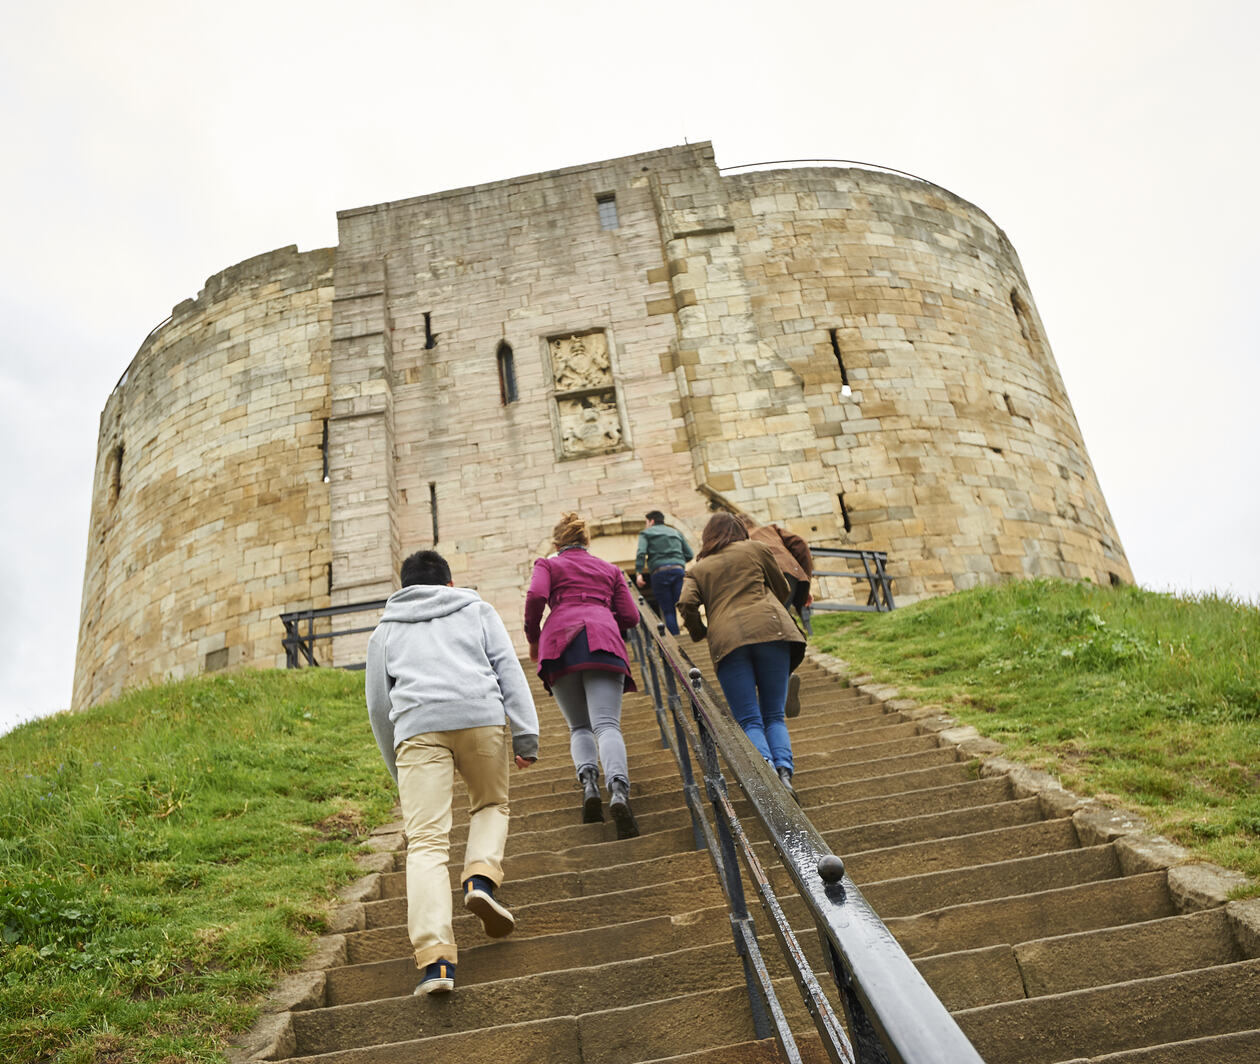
(752, 639)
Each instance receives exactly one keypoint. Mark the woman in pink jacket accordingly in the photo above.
(581, 655)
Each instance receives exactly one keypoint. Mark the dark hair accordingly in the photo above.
(425, 567)
(655, 515)
(722, 530)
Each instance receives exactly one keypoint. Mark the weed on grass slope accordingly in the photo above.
(164, 856)
(1151, 700)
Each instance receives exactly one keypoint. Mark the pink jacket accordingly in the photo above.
(583, 592)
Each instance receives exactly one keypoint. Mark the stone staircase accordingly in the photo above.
(1050, 930)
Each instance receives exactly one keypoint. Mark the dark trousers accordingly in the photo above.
(666, 587)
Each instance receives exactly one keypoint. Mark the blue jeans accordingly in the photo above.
(666, 587)
(754, 679)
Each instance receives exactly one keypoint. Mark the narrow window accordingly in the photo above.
(844, 513)
(507, 373)
(433, 509)
(844, 374)
(430, 337)
(330, 578)
(1022, 316)
(1010, 407)
(606, 204)
(115, 473)
(323, 447)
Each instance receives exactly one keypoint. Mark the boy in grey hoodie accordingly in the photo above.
(442, 678)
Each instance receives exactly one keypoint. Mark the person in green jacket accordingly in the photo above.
(661, 555)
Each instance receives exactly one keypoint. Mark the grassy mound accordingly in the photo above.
(164, 856)
(1147, 700)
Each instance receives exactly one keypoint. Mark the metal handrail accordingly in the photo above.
(893, 1015)
(299, 645)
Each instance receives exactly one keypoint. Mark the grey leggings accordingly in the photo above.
(591, 703)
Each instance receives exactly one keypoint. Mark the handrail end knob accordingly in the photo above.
(695, 678)
(660, 627)
(830, 868)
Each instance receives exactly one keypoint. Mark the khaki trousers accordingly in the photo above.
(426, 767)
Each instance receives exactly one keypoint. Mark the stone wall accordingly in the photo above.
(210, 515)
(957, 450)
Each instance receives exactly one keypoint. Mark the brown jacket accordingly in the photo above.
(742, 591)
(790, 551)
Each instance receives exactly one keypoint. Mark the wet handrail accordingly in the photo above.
(893, 1015)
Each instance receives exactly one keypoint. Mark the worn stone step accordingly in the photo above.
(959, 851)
(556, 1040)
(1001, 879)
(1087, 907)
(573, 991)
(992, 974)
(1180, 943)
(814, 794)
(880, 834)
(1242, 1047)
(764, 1052)
(1120, 1017)
(910, 803)
(566, 914)
(518, 956)
(575, 884)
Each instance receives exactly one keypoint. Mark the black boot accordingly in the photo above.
(785, 774)
(619, 806)
(592, 804)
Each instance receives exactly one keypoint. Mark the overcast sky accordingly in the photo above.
(149, 145)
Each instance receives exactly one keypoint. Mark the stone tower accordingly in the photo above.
(850, 354)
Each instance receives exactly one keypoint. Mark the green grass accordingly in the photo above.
(1146, 700)
(164, 857)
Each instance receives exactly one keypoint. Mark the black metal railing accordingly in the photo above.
(872, 566)
(300, 635)
(892, 1014)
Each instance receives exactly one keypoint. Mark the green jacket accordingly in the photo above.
(660, 545)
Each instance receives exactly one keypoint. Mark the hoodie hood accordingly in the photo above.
(424, 602)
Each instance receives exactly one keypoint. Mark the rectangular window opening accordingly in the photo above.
(606, 204)
(430, 337)
(323, 447)
(433, 509)
(844, 513)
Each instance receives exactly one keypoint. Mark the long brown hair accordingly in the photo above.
(570, 532)
(722, 530)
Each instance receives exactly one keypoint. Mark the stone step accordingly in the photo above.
(1242, 1047)
(1120, 1017)
(1064, 963)
(568, 914)
(959, 851)
(520, 955)
(1001, 879)
(564, 992)
(1087, 907)
(932, 826)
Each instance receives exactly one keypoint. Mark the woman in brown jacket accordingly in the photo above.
(752, 640)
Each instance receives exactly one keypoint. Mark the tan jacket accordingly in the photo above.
(742, 591)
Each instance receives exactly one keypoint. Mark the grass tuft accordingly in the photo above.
(165, 856)
(1152, 700)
